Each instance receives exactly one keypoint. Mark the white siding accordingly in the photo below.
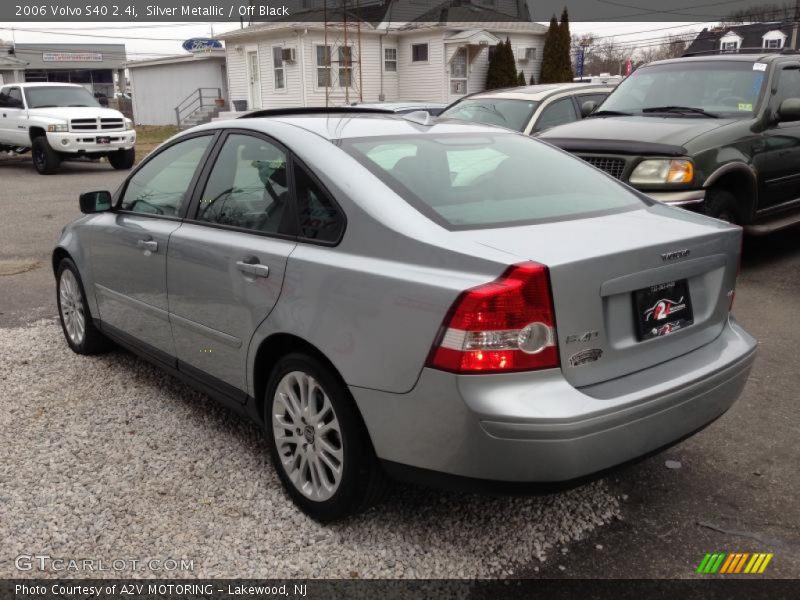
(237, 71)
(422, 81)
(520, 41)
(158, 89)
(291, 94)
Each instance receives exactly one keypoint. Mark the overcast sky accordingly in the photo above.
(159, 39)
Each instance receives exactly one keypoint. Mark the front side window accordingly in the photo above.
(730, 88)
(320, 218)
(558, 113)
(47, 96)
(489, 180)
(161, 186)
(277, 67)
(505, 112)
(788, 85)
(419, 52)
(323, 66)
(390, 59)
(247, 187)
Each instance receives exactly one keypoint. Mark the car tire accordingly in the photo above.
(122, 159)
(45, 160)
(309, 438)
(722, 205)
(79, 329)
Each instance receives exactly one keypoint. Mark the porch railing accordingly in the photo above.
(198, 99)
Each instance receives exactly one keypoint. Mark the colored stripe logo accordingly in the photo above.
(734, 563)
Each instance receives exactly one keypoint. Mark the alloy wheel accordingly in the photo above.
(71, 305)
(307, 436)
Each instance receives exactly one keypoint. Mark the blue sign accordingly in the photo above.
(579, 57)
(195, 44)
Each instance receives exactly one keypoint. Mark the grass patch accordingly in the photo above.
(150, 136)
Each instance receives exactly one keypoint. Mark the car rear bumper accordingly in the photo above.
(535, 427)
(86, 143)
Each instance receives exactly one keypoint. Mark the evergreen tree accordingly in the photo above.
(502, 68)
(493, 76)
(521, 78)
(509, 65)
(550, 54)
(565, 54)
(533, 80)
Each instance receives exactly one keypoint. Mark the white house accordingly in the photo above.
(309, 63)
(176, 89)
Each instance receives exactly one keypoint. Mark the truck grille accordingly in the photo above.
(109, 124)
(613, 166)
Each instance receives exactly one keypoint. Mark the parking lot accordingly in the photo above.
(108, 456)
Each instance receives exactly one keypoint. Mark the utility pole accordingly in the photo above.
(796, 20)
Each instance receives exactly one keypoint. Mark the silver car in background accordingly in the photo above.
(430, 300)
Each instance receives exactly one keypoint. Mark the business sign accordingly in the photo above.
(579, 59)
(72, 57)
(198, 44)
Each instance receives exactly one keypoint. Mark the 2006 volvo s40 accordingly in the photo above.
(391, 295)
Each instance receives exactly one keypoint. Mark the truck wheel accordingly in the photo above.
(722, 205)
(45, 159)
(122, 159)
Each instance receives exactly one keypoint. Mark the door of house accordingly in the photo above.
(458, 74)
(253, 73)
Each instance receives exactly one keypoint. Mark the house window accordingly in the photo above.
(390, 59)
(345, 55)
(323, 66)
(774, 40)
(419, 52)
(730, 46)
(277, 66)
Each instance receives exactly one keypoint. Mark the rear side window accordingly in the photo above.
(464, 181)
(321, 220)
(247, 187)
(161, 186)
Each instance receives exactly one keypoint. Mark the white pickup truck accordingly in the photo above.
(62, 121)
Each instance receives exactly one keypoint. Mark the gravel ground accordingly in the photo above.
(106, 458)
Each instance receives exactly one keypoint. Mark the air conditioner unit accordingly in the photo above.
(287, 54)
(530, 54)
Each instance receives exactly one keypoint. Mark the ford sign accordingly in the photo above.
(195, 44)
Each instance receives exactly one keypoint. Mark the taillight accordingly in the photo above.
(501, 326)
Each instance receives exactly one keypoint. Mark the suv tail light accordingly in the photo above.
(505, 325)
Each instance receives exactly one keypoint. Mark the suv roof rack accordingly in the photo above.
(321, 110)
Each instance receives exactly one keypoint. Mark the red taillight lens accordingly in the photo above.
(501, 326)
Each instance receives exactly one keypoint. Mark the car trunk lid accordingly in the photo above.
(597, 265)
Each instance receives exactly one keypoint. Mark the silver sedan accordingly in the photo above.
(389, 295)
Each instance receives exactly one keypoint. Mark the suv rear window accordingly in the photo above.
(465, 181)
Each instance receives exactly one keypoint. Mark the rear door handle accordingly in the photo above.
(150, 245)
(253, 269)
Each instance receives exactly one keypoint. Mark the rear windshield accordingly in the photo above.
(465, 181)
(511, 114)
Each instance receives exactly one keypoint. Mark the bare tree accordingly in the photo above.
(762, 14)
(672, 46)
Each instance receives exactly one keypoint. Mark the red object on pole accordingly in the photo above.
(628, 67)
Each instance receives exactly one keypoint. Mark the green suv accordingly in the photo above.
(716, 134)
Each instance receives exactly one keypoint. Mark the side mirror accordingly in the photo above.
(587, 108)
(103, 101)
(789, 110)
(95, 202)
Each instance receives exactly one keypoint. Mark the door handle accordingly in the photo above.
(150, 245)
(253, 269)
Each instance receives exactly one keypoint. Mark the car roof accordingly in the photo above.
(333, 125)
(542, 91)
(752, 58)
(399, 105)
(44, 84)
